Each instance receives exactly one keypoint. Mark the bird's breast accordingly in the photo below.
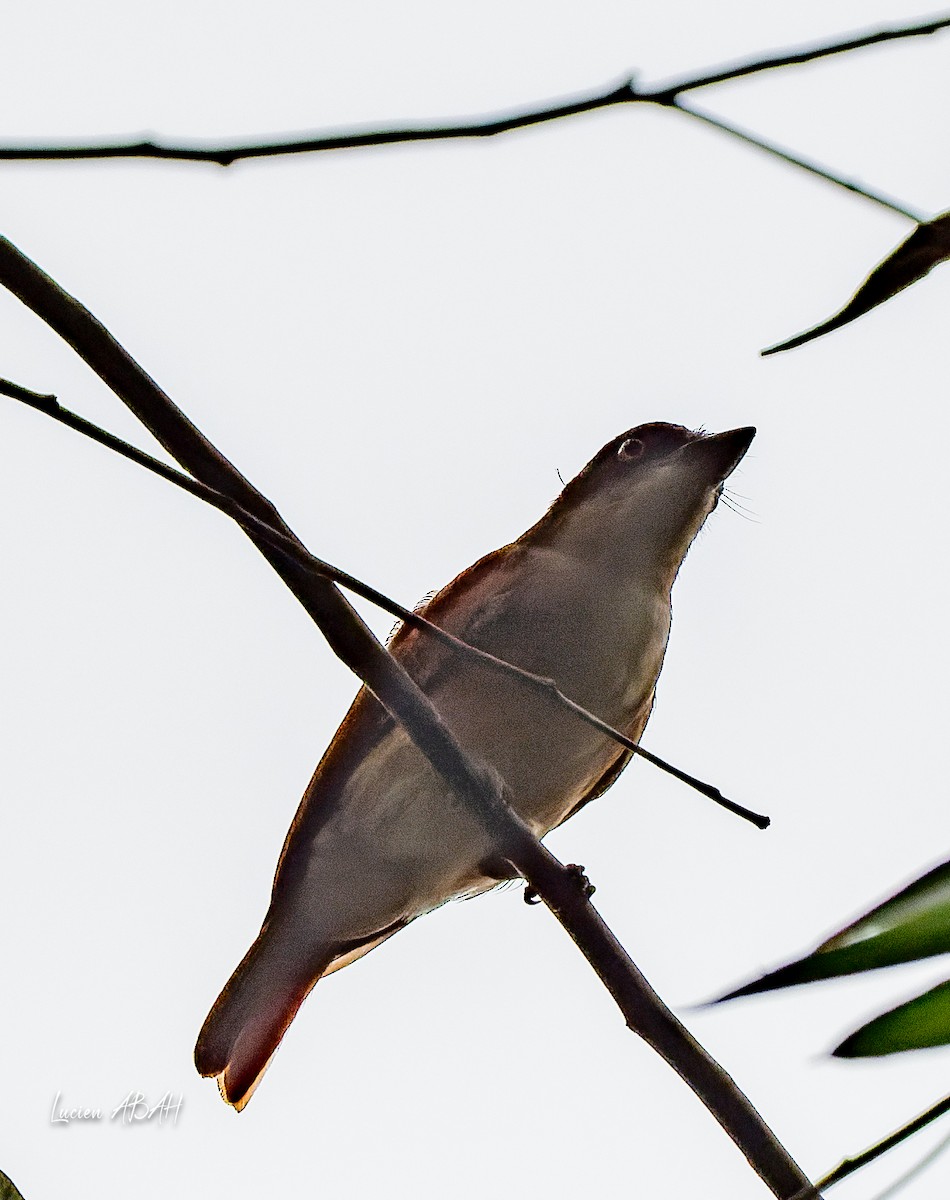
(396, 841)
(603, 651)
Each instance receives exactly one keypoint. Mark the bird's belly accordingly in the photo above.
(607, 660)
(548, 758)
(398, 843)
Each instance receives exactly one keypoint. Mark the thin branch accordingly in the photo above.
(51, 407)
(488, 126)
(793, 58)
(796, 161)
(475, 784)
(849, 1165)
(910, 1175)
(347, 139)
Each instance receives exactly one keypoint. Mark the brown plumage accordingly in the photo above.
(582, 597)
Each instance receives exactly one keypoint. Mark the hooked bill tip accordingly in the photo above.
(741, 437)
(723, 451)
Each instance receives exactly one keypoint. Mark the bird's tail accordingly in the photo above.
(252, 1014)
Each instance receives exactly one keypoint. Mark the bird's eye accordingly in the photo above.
(631, 448)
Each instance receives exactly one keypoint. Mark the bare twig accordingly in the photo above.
(488, 126)
(850, 1165)
(345, 139)
(791, 58)
(813, 168)
(912, 1173)
(476, 785)
(51, 407)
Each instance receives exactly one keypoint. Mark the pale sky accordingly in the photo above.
(402, 348)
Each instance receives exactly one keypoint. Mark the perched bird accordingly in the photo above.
(583, 597)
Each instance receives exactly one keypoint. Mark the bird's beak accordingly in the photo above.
(722, 452)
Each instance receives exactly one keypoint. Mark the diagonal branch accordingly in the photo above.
(795, 160)
(471, 782)
(250, 524)
(913, 1173)
(849, 1165)
(792, 58)
(488, 126)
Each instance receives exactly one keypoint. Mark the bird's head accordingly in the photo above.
(642, 499)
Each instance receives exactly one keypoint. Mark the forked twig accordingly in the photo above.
(627, 92)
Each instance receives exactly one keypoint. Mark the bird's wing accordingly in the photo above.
(466, 607)
(363, 727)
(612, 773)
(428, 662)
(608, 779)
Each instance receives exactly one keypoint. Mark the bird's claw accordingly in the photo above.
(580, 878)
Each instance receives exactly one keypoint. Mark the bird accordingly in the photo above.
(582, 598)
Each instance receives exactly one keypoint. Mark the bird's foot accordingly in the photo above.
(580, 878)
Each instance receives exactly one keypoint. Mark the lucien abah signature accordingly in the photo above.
(132, 1109)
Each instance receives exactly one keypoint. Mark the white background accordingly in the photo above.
(402, 347)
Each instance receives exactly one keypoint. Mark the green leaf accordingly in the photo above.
(914, 258)
(923, 1021)
(913, 924)
(7, 1189)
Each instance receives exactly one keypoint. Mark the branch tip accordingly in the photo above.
(39, 400)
